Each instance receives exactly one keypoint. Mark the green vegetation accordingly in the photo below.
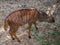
(49, 38)
(58, 24)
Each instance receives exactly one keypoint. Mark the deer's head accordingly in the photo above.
(44, 17)
(48, 16)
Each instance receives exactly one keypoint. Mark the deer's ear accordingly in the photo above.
(51, 10)
(48, 11)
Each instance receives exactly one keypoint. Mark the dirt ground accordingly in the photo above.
(49, 34)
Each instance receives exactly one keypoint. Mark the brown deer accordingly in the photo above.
(23, 16)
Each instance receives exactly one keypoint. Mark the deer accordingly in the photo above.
(20, 17)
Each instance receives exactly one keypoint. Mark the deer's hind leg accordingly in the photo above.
(13, 32)
(29, 33)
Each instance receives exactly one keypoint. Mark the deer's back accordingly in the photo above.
(23, 16)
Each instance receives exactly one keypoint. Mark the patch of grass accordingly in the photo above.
(47, 43)
(38, 37)
(54, 35)
(58, 24)
(57, 42)
(47, 25)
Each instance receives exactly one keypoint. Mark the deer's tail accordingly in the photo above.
(6, 25)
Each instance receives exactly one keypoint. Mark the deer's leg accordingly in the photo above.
(29, 33)
(16, 37)
(14, 33)
(36, 26)
(11, 34)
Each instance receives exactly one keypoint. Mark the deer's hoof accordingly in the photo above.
(36, 28)
(13, 38)
(19, 41)
(29, 37)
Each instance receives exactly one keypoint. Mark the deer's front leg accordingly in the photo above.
(29, 28)
(36, 26)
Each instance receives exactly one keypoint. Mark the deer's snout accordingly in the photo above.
(53, 20)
